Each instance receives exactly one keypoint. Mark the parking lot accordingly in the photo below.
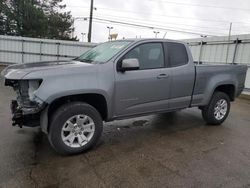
(166, 150)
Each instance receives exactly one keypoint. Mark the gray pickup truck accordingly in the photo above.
(69, 100)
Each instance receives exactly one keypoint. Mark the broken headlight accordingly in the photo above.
(26, 91)
(33, 86)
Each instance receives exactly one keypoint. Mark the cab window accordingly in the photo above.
(149, 55)
(176, 54)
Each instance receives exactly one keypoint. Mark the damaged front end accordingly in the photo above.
(27, 107)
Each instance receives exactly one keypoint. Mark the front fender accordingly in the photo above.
(44, 121)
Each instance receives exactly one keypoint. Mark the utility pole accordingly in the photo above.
(90, 20)
(229, 37)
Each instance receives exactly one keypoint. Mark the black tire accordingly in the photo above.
(209, 110)
(59, 118)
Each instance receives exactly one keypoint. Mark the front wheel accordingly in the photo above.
(217, 110)
(75, 128)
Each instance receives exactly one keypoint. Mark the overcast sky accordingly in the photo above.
(210, 17)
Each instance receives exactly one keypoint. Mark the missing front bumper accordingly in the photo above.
(29, 117)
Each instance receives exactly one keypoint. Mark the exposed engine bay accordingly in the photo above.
(26, 108)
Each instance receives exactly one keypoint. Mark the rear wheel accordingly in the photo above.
(75, 128)
(217, 110)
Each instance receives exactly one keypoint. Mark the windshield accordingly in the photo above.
(103, 52)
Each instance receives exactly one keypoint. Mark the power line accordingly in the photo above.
(154, 21)
(171, 23)
(173, 16)
(152, 27)
(163, 26)
(200, 5)
(223, 28)
(175, 29)
(107, 19)
(169, 16)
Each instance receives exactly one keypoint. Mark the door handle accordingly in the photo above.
(161, 76)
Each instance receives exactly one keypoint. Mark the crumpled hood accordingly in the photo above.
(18, 71)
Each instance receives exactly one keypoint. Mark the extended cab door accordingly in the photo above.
(180, 62)
(144, 90)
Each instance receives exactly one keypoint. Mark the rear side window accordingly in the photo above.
(176, 53)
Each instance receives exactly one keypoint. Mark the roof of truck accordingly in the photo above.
(151, 39)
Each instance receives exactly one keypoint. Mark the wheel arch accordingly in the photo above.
(96, 100)
(228, 89)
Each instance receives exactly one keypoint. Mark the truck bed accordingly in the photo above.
(208, 76)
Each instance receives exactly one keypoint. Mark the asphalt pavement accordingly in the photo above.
(167, 150)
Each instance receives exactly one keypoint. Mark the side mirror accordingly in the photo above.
(129, 64)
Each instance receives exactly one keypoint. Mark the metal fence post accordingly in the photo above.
(235, 50)
(200, 53)
(229, 38)
(58, 50)
(41, 43)
(22, 51)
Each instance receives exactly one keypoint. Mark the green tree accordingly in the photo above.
(7, 23)
(36, 18)
(59, 22)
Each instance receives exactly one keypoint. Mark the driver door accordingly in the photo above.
(144, 90)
